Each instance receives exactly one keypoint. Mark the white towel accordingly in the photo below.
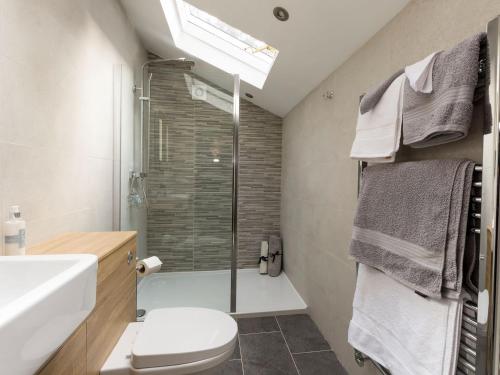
(404, 332)
(420, 74)
(378, 131)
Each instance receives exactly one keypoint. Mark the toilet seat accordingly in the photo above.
(174, 341)
(187, 368)
(174, 336)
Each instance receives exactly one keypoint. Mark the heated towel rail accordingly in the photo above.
(468, 345)
(479, 351)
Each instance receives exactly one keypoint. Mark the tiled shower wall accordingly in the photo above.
(259, 181)
(190, 192)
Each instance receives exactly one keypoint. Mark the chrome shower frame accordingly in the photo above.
(236, 162)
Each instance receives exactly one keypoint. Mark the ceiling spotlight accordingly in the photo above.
(281, 14)
(248, 95)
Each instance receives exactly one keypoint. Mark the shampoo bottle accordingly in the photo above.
(15, 233)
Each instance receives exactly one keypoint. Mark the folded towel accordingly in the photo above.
(420, 74)
(275, 258)
(378, 132)
(372, 97)
(411, 222)
(445, 115)
(404, 332)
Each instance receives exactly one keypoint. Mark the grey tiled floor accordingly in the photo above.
(282, 345)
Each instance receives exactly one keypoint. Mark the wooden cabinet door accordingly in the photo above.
(88, 348)
(115, 306)
(71, 359)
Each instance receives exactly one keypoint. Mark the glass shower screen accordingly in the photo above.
(182, 205)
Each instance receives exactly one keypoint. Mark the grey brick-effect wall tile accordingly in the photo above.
(259, 181)
(189, 220)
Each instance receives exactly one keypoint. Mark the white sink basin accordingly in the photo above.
(43, 299)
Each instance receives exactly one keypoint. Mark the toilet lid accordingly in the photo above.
(174, 336)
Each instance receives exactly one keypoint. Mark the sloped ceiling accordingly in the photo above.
(318, 37)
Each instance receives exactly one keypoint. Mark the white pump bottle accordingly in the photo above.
(15, 233)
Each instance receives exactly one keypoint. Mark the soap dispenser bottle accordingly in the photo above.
(15, 233)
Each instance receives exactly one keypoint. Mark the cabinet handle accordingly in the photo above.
(130, 257)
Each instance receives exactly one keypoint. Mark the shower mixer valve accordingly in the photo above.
(137, 196)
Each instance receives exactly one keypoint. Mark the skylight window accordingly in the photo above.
(236, 37)
(217, 43)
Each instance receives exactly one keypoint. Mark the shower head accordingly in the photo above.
(188, 64)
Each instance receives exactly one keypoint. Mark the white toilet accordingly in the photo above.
(174, 341)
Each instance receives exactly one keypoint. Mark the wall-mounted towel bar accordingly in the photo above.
(479, 350)
(467, 353)
(360, 359)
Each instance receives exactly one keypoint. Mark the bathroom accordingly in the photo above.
(179, 183)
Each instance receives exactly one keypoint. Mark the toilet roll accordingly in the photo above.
(148, 266)
(264, 252)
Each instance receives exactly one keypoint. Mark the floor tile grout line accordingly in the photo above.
(241, 354)
(288, 347)
(315, 351)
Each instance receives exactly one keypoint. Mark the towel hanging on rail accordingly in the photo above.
(419, 75)
(378, 132)
(411, 223)
(404, 332)
(460, 79)
(419, 78)
(371, 98)
(445, 115)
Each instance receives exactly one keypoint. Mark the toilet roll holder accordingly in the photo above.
(140, 268)
(143, 269)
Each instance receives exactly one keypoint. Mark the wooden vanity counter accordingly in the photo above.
(89, 346)
(101, 244)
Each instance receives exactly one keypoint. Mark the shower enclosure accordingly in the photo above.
(184, 188)
(177, 184)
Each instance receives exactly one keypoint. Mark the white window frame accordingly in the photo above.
(215, 46)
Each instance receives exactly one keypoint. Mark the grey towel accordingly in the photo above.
(457, 229)
(371, 98)
(471, 265)
(445, 115)
(275, 258)
(411, 222)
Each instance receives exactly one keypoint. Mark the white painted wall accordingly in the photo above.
(56, 110)
(319, 181)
